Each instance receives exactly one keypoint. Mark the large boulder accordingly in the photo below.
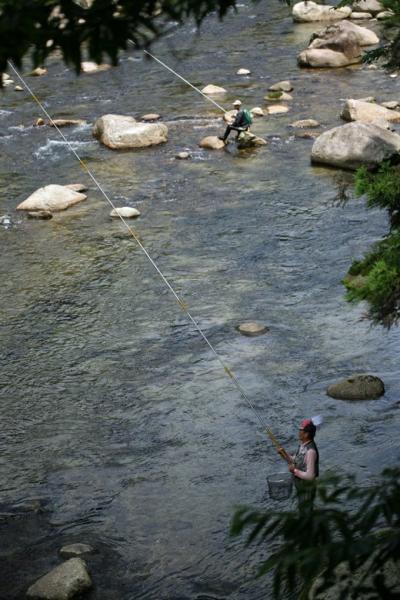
(355, 144)
(365, 36)
(366, 112)
(372, 6)
(121, 132)
(66, 581)
(51, 198)
(357, 387)
(334, 46)
(307, 12)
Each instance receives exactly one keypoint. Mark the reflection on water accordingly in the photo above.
(114, 413)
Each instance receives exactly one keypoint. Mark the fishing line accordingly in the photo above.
(135, 236)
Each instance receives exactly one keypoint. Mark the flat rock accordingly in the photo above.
(355, 144)
(307, 12)
(360, 16)
(123, 132)
(366, 112)
(52, 198)
(127, 212)
(305, 123)
(92, 67)
(281, 86)
(252, 329)
(243, 72)
(74, 550)
(182, 155)
(151, 117)
(277, 109)
(66, 122)
(66, 581)
(212, 142)
(357, 387)
(213, 89)
(257, 111)
(40, 214)
(385, 14)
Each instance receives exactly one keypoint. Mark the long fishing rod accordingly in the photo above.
(135, 236)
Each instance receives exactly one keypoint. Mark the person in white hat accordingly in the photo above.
(242, 121)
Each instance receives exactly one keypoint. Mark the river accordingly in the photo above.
(116, 419)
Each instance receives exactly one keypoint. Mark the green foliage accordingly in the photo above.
(382, 188)
(356, 528)
(380, 281)
(101, 27)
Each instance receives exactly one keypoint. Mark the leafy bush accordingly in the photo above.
(382, 188)
(351, 527)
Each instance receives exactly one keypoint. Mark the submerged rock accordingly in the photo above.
(212, 142)
(278, 96)
(357, 387)
(73, 550)
(355, 144)
(127, 212)
(307, 12)
(252, 329)
(213, 89)
(122, 132)
(277, 109)
(366, 112)
(51, 198)
(66, 122)
(66, 581)
(305, 123)
(40, 214)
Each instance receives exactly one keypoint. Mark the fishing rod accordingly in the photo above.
(136, 238)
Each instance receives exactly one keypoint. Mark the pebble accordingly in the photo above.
(243, 72)
(18, 88)
(5, 221)
(127, 212)
(252, 329)
(183, 155)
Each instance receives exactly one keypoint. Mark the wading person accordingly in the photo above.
(304, 465)
(241, 122)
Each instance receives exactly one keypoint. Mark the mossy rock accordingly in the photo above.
(357, 387)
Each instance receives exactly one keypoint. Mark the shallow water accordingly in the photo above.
(115, 415)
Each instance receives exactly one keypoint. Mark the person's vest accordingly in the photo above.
(300, 457)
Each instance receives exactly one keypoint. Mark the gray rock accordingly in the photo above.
(62, 583)
(74, 550)
(357, 387)
(355, 144)
(212, 142)
(247, 139)
(122, 132)
(51, 198)
(281, 86)
(308, 12)
(367, 112)
(5, 221)
(252, 329)
(127, 212)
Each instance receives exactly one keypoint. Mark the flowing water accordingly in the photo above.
(116, 418)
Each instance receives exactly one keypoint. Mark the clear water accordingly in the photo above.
(115, 416)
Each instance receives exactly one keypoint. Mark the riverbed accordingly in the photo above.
(119, 427)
